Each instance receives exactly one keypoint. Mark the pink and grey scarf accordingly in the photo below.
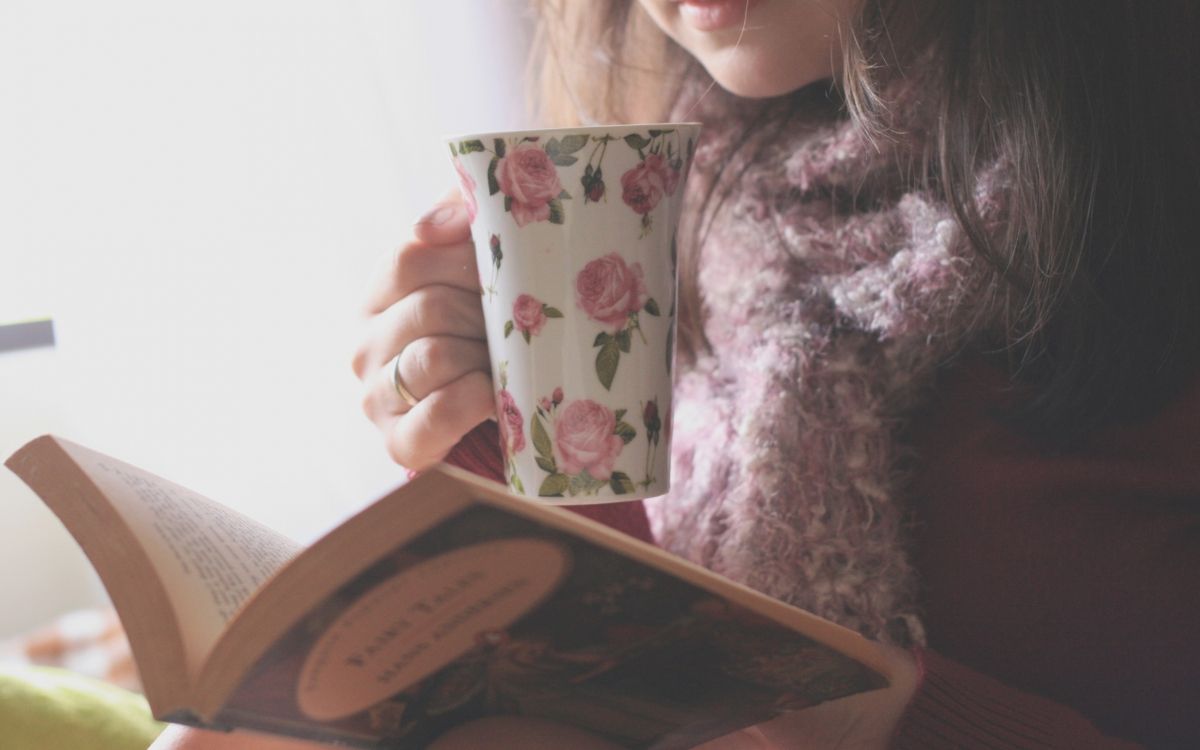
(832, 293)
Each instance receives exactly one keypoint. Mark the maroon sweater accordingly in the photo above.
(1061, 592)
(1073, 576)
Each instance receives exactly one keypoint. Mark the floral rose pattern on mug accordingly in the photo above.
(512, 429)
(656, 175)
(613, 294)
(497, 256)
(593, 175)
(530, 185)
(529, 316)
(581, 447)
(526, 174)
(594, 208)
(653, 425)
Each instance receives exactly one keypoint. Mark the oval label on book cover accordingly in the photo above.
(423, 618)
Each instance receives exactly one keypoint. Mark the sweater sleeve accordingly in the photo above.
(1068, 574)
(955, 707)
(479, 452)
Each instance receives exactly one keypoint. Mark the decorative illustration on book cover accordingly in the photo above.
(490, 613)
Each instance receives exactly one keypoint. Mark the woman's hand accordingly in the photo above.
(424, 307)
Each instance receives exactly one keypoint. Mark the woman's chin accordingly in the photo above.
(751, 81)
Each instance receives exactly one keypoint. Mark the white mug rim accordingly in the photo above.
(588, 129)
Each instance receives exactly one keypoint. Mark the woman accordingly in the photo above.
(938, 347)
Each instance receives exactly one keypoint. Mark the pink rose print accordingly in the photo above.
(528, 315)
(650, 419)
(593, 173)
(466, 186)
(584, 439)
(580, 449)
(595, 189)
(653, 424)
(608, 290)
(657, 174)
(644, 185)
(512, 432)
(497, 257)
(528, 177)
(614, 295)
(546, 407)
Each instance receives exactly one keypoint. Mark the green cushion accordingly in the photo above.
(52, 709)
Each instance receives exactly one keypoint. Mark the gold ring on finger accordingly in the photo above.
(398, 383)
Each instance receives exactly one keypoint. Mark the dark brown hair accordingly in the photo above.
(1095, 106)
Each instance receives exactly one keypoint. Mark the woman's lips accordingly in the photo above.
(713, 15)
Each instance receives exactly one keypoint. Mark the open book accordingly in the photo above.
(445, 601)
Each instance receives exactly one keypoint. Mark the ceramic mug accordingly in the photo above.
(574, 233)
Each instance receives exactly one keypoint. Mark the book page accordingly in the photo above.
(209, 557)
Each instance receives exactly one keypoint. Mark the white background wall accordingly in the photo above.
(197, 193)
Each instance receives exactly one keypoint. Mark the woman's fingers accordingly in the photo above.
(424, 435)
(429, 311)
(440, 252)
(425, 365)
(446, 223)
(425, 311)
(418, 264)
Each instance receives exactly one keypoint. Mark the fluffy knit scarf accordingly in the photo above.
(832, 294)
